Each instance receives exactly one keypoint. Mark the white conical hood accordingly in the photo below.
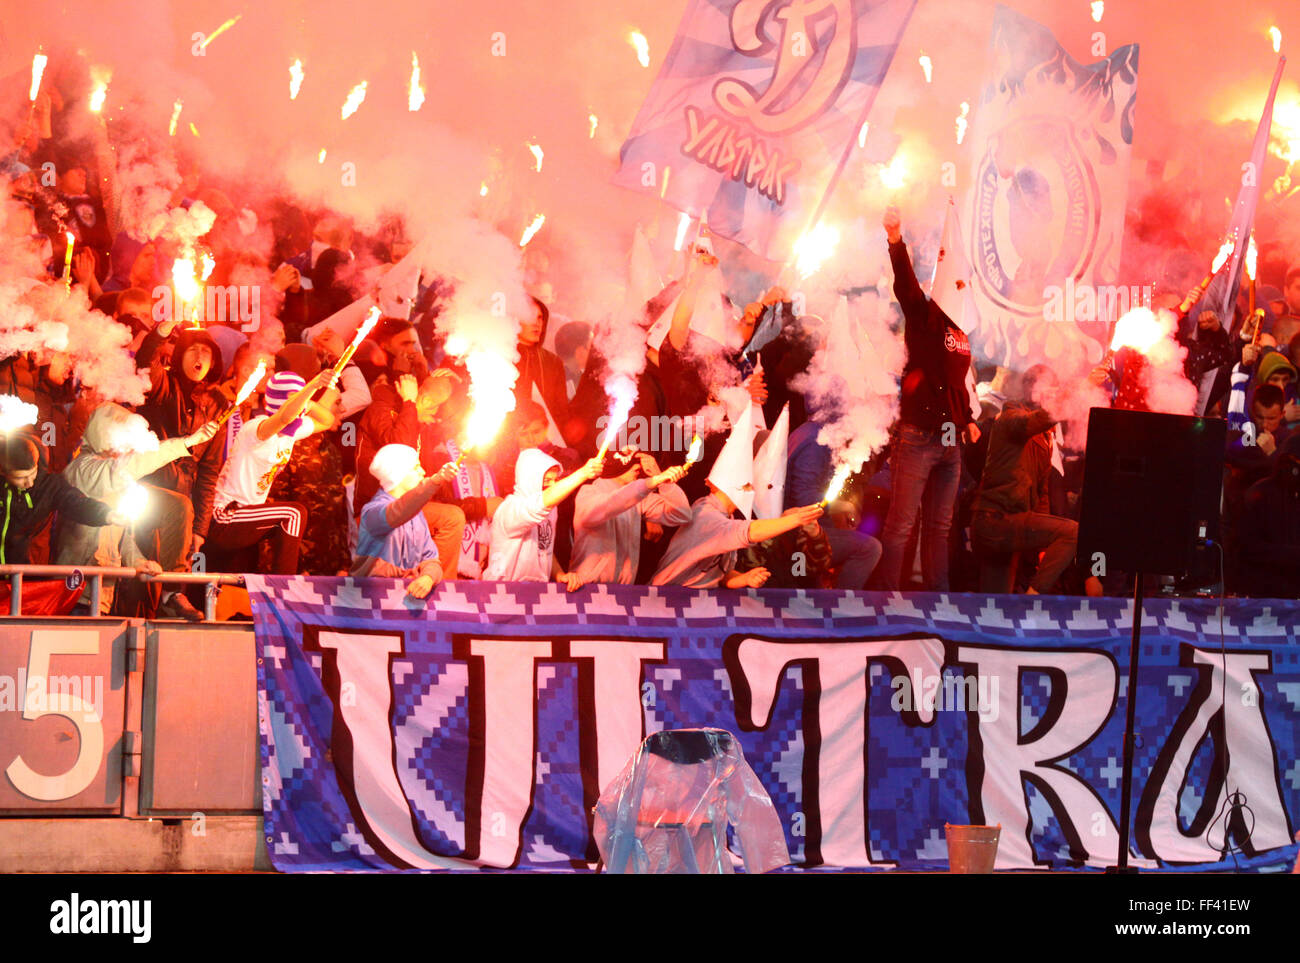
(400, 285)
(733, 472)
(769, 468)
(643, 281)
(951, 288)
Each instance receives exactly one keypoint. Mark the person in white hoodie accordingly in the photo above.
(115, 453)
(523, 528)
(608, 513)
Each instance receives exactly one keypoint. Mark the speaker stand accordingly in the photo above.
(1130, 716)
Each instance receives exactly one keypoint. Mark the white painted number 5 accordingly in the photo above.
(37, 702)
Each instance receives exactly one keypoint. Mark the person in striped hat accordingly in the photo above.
(241, 516)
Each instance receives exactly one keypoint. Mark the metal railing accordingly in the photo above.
(96, 574)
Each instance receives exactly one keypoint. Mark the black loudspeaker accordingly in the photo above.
(1151, 489)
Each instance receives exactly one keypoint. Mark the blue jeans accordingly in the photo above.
(925, 475)
(854, 555)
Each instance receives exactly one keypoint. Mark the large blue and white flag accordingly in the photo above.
(1045, 214)
(755, 108)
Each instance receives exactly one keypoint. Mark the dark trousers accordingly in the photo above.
(998, 537)
(237, 527)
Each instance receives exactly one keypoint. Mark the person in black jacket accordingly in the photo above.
(31, 495)
(181, 399)
(926, 466)
(1269, 536)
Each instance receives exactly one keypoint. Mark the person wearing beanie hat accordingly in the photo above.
(181, 399)
(1274, 368)
(703, 553)
(31, 495)
(394, 539)
(242, 516)
(608, 513)
(523, 528)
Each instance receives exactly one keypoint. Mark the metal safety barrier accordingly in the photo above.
(97, 573)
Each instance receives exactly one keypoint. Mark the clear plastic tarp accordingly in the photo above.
(669, 809)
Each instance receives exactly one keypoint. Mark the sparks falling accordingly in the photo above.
(296, 74)
(38, 71)
(1276, 35)
(814, 248)
(663, 191)
(862, 134)
(637, 39)
(415, 95)
(1098, 9)
(194, 130)
(532, 229)
(482, 189)
(537, 156)
(320, 158)
(593, 120)
(838, 481)
(220, 30)
(962, 123)
(926, 65)
(355, 97)
(176, 116)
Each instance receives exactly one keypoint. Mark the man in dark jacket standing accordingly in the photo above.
(181, 399)
(31, 495)
(926, 466)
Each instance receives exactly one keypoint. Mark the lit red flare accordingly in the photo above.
(814, 248)
(1139, 329)
(1276, 36)
(538, 155)
(1225, 252)
(696, 451)
(415, 95)
(101, 76)
(176, 116)
(133, 501)
(38, 71)
(926, 65)
(838, 481)
(367, 326)
(250, 385)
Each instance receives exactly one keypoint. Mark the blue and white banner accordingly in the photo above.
(478, 729)
(754, 108)
(1051, 140)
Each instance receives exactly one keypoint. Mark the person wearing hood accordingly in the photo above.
(935, 413)
(523, 528)
(541, 374)
(609, 512)
(703, 553)
(32, 495)
(1269, 534)
(104, 469)
(394, 540)
(242, 516)
(182, 397)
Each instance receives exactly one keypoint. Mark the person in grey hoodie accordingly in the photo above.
(608, 513)
(113, 456)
